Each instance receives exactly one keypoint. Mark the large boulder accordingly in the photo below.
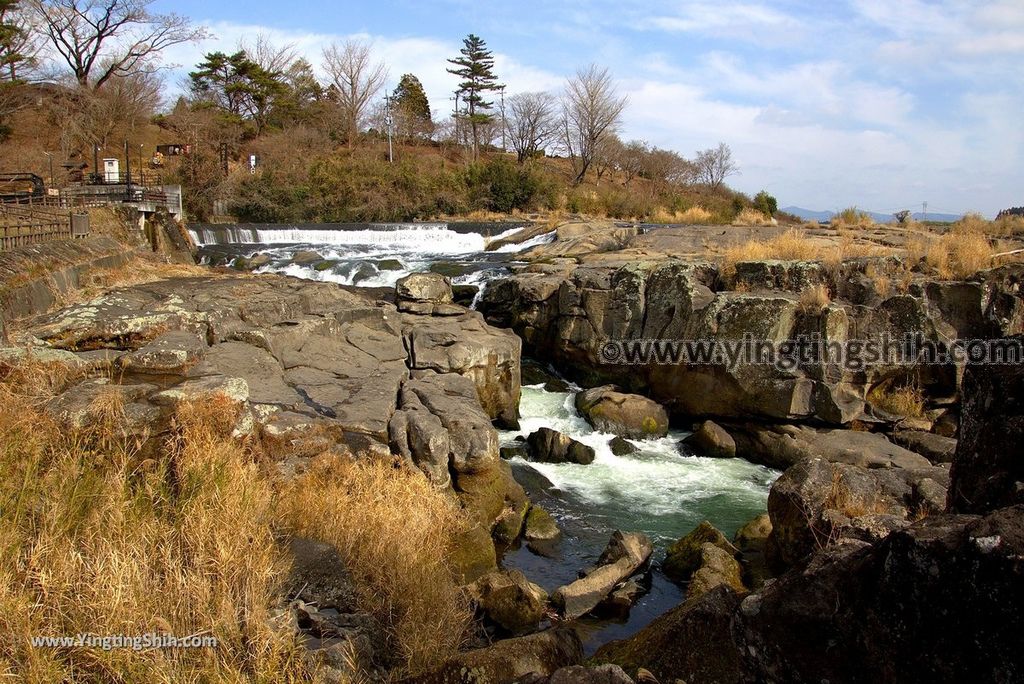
(625, 415)
(781, 446)
(818, 502)
(464, 344)
(625, 555)
(510, 601)
(683, 558)
(988, 470)
(711, 439)
(717, 567)
(550, 446)
(423, 293)
(508, 660)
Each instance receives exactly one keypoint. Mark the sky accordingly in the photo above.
(882, 104)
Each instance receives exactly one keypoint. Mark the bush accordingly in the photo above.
(503, 186)
(765, 203)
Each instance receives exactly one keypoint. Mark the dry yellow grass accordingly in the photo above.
(97, 539)
(751, 217)
(958, 254)
(191, 538)
(394, 532)
(694, 215)
(906, 400)
(851, 217)
(791, 245)
(814, 300)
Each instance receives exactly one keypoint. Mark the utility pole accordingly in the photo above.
(128, 171)
(388, 120)
(924, 211)
(49, 157)
(455, 115)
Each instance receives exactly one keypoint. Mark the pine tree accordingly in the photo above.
(412, 109)
(476, 69)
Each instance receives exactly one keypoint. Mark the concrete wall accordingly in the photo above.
(34, 277)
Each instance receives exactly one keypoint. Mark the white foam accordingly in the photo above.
(658, 479)
(542, 239)
(428, 238)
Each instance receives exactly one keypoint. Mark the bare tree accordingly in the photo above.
(530, 123)
(103, 39)
(591, 109)
(633, 159)
(271, 58)
(666, 166)
(355, 80)
(714, 165)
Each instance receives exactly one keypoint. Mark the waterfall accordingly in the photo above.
(430, 238)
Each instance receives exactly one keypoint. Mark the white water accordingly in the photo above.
(532, 242)
(664, 491)
(430, 238)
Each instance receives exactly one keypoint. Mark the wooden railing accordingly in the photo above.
(25, 225)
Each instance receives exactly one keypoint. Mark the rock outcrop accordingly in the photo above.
(877, 598)
(569, 316)
(711, 439)
(314, 366)
(988, 470)
(817, 502)
(941, 600)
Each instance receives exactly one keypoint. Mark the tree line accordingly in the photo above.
(107, 57)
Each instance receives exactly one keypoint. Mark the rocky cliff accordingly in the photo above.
(567, 313)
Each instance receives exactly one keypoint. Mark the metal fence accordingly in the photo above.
(24, 225)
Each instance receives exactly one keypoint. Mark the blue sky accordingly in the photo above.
(880, 103)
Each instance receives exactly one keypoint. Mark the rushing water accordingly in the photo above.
(367, 255)
(657, 490)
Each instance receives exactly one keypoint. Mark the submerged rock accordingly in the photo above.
(540, 526)
(625, 415)
(626, 554)
(622, 447)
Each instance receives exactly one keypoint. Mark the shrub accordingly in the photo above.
(503, 186)
(766, 204)
(852, 217)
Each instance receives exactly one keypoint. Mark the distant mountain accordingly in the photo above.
(811, 215)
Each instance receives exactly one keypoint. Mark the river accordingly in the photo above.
(660, 489)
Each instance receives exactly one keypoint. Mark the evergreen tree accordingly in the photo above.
(412, 109)
(476, 69)
(238, 86)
